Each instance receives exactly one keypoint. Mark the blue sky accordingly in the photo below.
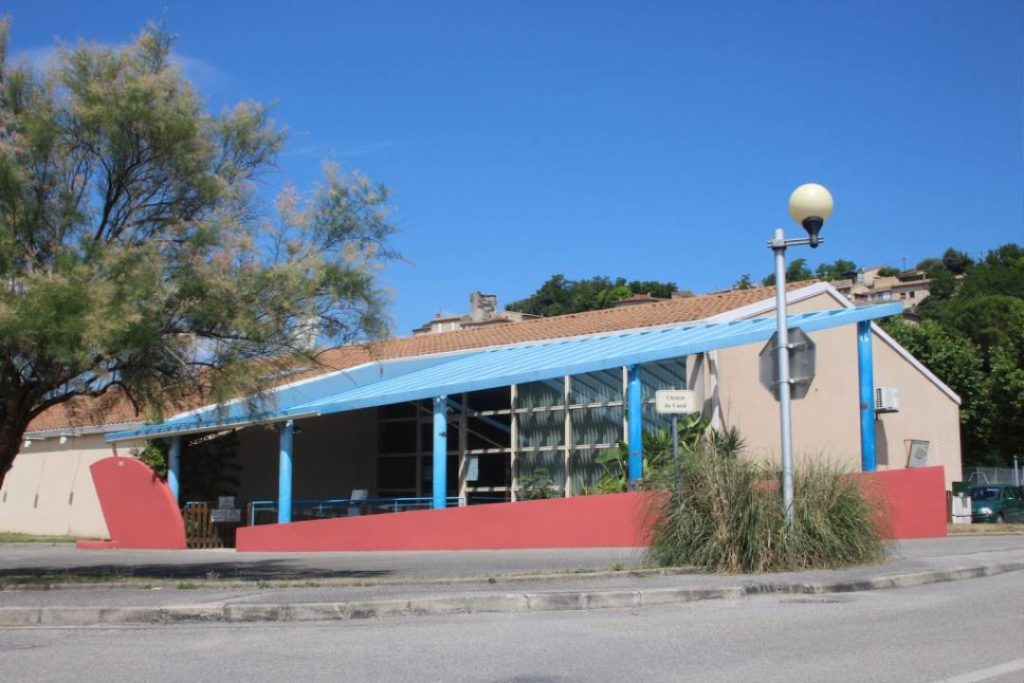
(648, 140)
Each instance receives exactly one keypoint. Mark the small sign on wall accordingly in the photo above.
(918, 456)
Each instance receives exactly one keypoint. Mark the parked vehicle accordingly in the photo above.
(997, 504)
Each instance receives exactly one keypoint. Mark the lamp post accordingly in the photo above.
(810, 205)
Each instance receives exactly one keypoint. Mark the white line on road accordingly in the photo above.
(986, 674)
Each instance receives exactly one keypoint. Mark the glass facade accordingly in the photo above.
(494, 445)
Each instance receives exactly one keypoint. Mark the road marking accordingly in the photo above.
(985, 674)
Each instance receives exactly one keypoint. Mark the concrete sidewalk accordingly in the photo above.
(212, 586)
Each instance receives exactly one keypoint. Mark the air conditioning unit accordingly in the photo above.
(887, 400)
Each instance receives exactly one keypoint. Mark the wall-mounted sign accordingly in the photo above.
(918, 456)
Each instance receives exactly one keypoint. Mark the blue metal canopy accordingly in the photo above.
(442, 375)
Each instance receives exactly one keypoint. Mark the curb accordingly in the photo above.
(468, 604)
(248, 584)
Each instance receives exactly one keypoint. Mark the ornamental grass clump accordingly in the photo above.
(725, 515)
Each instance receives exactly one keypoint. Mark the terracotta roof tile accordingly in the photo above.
(116, 409)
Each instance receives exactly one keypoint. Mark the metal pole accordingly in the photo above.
(1016, 472)
(675, 457)
(782, 348)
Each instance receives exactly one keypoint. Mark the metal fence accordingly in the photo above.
(265, 511)
(979, 476)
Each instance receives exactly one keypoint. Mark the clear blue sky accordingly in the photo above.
(649, 140)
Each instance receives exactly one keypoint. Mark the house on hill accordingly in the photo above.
(549, 394)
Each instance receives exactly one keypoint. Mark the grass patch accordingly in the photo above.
(10, 537)
(729, 517)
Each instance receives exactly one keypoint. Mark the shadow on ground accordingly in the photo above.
(248, 571)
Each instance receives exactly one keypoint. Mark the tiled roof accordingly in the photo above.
(116, 409)
(111, 408)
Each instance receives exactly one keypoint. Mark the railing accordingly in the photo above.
(325, 508)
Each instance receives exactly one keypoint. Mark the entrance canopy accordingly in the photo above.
(424, 377)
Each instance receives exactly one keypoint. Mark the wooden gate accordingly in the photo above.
(202, 532)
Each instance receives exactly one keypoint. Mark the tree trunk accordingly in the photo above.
(14, 420)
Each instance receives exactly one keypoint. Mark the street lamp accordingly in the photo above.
(810, 205)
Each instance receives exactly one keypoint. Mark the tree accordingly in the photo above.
(888, 271)
(559, 295)
(956, 262)
(982, 305)
(840, 269)
(796, 271)
(954, 359)
(744, 282)
(135, 256)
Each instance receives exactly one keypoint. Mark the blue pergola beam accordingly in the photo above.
(539, 361)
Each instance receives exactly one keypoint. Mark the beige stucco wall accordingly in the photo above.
(49, 491)
(826, 423)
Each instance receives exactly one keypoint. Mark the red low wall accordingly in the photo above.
(138, 507)
(913, 500)
(605, 521)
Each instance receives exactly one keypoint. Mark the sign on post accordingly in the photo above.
(801, 364)
(675, 401)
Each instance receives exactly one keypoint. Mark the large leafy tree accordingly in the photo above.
(135, 253)
(840, 269)
(559, 295)
(796, 271)
(972, 337)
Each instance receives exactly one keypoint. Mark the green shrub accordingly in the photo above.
(694, 433)
(727, 517)
(537, 484)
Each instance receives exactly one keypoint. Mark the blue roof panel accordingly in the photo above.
(426, 377)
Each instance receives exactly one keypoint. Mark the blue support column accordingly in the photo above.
(868, 459)
(440, 452)
(174, 468)
(635, 420)
(284, 476)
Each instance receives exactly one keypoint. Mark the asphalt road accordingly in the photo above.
(961, 632)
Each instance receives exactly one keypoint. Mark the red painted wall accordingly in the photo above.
(137, 505)
(914, 500)
(605, 521)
